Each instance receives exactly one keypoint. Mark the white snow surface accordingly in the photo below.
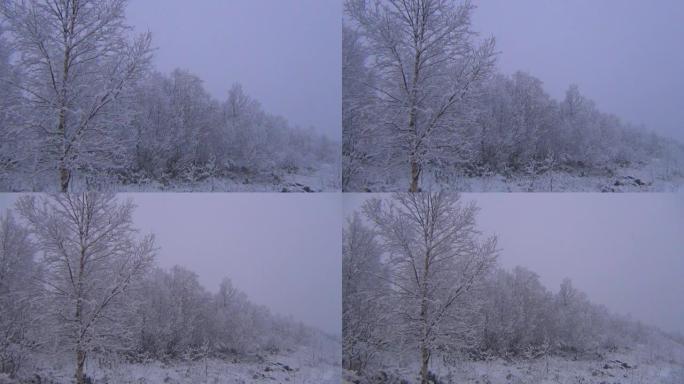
(650, 177)
(324, 178)
(643, 364)
(303, 366)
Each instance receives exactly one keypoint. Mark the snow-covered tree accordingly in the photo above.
(78, 60)
(427, 63)
(359, 112)
(11, 151)
(436, 255)
(19, 307)
(91, 256)
(365, 284)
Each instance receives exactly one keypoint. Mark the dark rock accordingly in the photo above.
(284, 190)
(307, 189)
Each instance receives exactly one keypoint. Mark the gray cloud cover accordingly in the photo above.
(286, 54)
(624, 54)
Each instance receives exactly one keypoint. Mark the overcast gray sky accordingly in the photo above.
(625, 251)
(624, 54)
(286, 54)
(282, 250)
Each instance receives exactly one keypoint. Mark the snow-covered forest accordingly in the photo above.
(425, 300)
(81, 296)
(81, 107)
(425, 106)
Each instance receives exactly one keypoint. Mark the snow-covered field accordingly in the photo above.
(304, 366)
(652, 177)
(325, 178)
(641, 365)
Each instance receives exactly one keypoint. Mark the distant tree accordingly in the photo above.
(19, 307)
(91, 258)
(359, 112)
(365, 286)
(12, 152)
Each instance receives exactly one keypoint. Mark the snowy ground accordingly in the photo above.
(303, 366)
(326, 178)
(652, 177)
(638, 366)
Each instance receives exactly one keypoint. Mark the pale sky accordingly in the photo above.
(624, 54)
(282, 250)
(626, 251)
(286, 54)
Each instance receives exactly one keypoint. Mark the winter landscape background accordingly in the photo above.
(93, 287)
(511, 96)
(513, 288)
(89, 100)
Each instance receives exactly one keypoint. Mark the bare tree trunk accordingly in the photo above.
(413, 116)
(80, 363)
(424, 360)
(424, 348)
(80, 352)
(64, 178)
(64, 172)
(415, 176)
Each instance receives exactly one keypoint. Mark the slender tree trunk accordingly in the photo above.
(424, 348)
(64, 178)
(80, 363)
(424, 344)
(80, 351)
(64, 171)
(413, 116)
(424, 361)
(415, 176)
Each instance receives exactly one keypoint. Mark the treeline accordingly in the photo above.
(433, 104)
(179, 132)
(416, 281)
(77, 280)
(84, 104)
(180, 319)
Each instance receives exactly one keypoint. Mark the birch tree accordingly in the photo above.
(428, 63)
(92, 256)
(18, 304)
(359, 112)
(364, 287)
(436, 255)
(78, 61)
